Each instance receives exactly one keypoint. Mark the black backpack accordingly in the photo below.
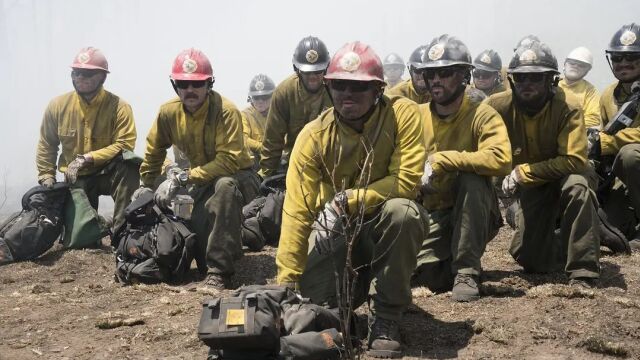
(152, 246)
(263, 216)
(27, 234)
(268, 322)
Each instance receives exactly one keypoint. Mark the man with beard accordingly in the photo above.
(579, 92)
(96, 133)
(254, 117)
(393, 66)
(413, 88)
(486, 74)
(207, 129)
(466, 144)
(296, 101)
(352, 177)
(623, 55)
(549, 146)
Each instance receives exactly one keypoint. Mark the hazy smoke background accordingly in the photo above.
(39, 38)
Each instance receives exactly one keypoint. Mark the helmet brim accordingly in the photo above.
(353, 77)
(193, 77)
(311, 67)
(443, 63)
(260, 92)
(532, 69)
(485, 68)
(625, 49)
(89, 67)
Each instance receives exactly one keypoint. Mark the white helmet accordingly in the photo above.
(581, 54)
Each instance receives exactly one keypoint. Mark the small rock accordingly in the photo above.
(40, 289)
(165, 300)
(67, 279)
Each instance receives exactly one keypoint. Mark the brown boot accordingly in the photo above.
(384, 339)
(465, 288)
(217, 281)
(583, 282)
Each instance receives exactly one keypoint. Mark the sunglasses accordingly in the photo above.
(531, 77)
(184, 84)
(354, 86)
(482, 74)
(444, 73)
(618, 57)
(86, 73)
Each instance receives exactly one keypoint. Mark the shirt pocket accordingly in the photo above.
(68, 139)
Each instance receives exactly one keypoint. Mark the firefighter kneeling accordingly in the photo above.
(360, 160)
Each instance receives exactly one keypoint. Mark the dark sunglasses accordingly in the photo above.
(482, 74)
(531, 77)
(444, 73)
(86, 73)
(184, 84)
(618, 57)
(354, 86)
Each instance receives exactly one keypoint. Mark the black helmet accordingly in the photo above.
(260, 85)
(526, 40)
(415, 60)
(444, 51)
(488, 60)
(627, 39)
(310, 55)
(393, 59)
(533, 57)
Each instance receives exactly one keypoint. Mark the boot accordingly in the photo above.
(583, 282)
(465, 288)
(217, 281)
(384, 339)
(610, 236)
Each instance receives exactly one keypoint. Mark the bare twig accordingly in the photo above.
(4, 188)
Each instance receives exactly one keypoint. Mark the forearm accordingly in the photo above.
(222, 165)
(489, 162)
(550, 170)
(611, 144)
(254, 145)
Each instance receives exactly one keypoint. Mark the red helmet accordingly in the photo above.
(90, 58)
(191, 64)
(355, 61)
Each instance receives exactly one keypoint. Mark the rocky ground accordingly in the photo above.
(67, 305)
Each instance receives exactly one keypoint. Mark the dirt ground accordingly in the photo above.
(55, 308)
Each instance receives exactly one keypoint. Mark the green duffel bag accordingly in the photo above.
(82, 229)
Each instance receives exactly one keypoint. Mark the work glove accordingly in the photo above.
(79, 163)
(593, 143)
(141, 190)
(168, 188)
(427, 178)
(328, 228)
(510, 183)
(171, 167)
(48, 182)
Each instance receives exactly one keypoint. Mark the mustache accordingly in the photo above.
(191, 96)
